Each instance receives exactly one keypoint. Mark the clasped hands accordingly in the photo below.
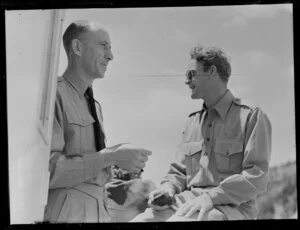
(162, 198)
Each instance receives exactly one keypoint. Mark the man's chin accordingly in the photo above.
(100, 76)
(193, 96)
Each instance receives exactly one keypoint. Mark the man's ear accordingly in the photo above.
(213, 70)
(76, 47)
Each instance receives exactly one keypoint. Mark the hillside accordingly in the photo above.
(280, 200)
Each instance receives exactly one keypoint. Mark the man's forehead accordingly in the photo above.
(99, 34)
(93, 25)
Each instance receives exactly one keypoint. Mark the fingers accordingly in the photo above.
(191, 212)
(202, 213)
(152, 195)
(143, 158)
(129, 146)
(136, 170)
(139, 165)
(129, 157)
(141, 162)
(145, 152)
(183, 210)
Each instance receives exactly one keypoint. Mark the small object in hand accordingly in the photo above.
(163, 199)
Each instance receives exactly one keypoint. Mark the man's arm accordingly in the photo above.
(174, 183)
(240, 188)
(175, 180)
(75, 169)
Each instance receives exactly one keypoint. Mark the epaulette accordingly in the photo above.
(238, 101)
(194, 113)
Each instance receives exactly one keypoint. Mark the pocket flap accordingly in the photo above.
(191, 148)
(228, 147)
(78, 120)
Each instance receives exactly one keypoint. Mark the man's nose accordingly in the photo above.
(188, 77)
(187, 80)
(109, 55)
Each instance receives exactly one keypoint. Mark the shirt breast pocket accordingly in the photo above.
(80, 133)
(229, 156)
(192, 151)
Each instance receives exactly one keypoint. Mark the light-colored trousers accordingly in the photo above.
(220, 212)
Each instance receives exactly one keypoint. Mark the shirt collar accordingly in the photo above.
(79, 84)
(222, 105)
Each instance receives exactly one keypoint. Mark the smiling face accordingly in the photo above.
(197, 80)
(96, 53)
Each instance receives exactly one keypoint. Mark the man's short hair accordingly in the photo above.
(212, 55)
(74, 31)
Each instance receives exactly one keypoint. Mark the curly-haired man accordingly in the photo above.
(223, 159)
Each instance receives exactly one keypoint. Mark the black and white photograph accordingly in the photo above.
(151, 114)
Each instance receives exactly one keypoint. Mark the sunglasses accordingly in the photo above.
(190, 74)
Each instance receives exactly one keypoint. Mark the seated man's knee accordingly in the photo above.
(145, 216)
(215, 214)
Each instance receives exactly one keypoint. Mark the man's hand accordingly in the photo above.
(161, 198)
(128, 156)
(202, 203)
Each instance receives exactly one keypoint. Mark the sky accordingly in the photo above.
(145, 106)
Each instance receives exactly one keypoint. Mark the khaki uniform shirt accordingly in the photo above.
(225, 152)
(74, 162)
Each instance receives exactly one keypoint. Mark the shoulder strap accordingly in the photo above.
(246, 127)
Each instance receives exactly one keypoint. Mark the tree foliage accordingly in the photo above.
(280, 199)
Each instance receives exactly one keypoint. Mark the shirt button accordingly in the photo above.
(210, 125)
(208, 139)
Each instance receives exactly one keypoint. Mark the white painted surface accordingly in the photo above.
(29, 51)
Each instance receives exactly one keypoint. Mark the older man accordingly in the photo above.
(223, 160)
(80, 161)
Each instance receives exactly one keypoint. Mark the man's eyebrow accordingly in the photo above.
(106, 42)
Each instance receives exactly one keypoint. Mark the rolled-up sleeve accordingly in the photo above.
(72, 169)
(176, 178)
(239, 188)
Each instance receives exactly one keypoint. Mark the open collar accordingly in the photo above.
(79, 84)
(222, 105)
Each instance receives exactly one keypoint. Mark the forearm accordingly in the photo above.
(69, 171)
(175, 179)
(239, 188)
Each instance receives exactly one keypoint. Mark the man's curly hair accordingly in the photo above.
(212, 55)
